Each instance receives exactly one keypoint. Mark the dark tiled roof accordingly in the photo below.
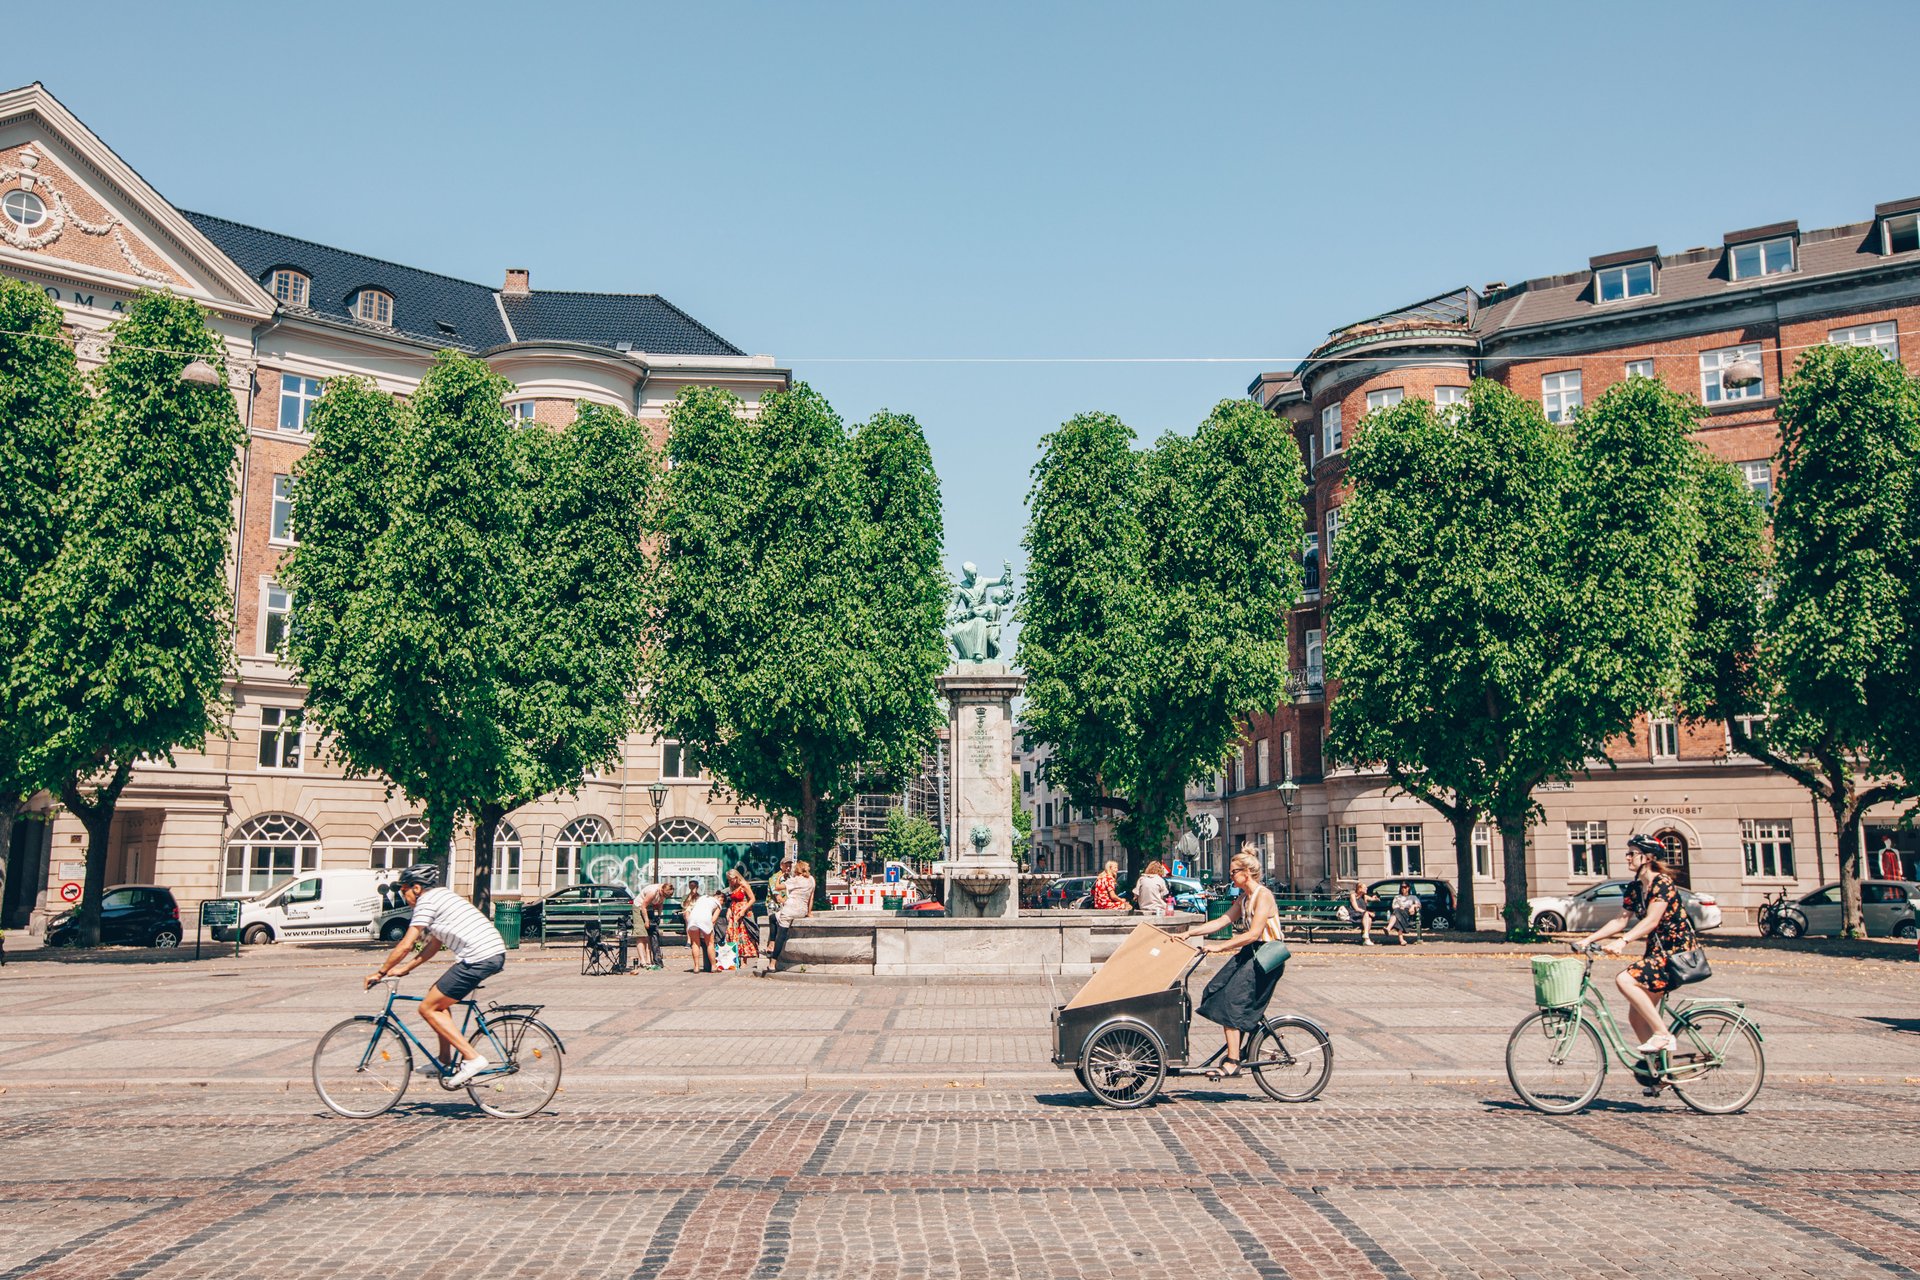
(647, 321)
(422, 301)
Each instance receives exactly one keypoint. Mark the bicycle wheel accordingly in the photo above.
(1125, 1064)
(533, 1076)
(361, 1067)
(1733, 1069)
(1291, 1059)
(1555, 1061)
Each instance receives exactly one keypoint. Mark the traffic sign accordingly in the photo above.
(70, 892)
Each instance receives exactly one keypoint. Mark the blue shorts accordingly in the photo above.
(458, 982)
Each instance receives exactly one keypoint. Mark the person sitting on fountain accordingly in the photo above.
(1106, 890)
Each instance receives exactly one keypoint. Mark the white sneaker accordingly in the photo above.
(1662, 1043)
(1370, 942)
(468, 1070)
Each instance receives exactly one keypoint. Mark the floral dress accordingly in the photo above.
(1104, 897)
(1673, 933)
(742, 931)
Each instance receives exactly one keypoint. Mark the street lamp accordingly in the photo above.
(1741, 374)
(201, 374)
(1289, 791)
(658, 794)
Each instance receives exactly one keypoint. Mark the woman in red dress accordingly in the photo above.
(743, 931)
(1106, 891)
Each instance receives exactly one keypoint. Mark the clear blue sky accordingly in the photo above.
(829, 182)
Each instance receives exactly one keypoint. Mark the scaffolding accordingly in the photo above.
(864, 817)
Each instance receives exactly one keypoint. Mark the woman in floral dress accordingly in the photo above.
(743, 931)
(1106, 891)
(1652, 910)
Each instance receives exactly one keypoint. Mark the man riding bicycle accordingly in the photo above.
(445, 919)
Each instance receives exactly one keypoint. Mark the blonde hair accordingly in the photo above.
(1246, 860)
(1156, 868)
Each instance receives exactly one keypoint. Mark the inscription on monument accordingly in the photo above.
(980, 741)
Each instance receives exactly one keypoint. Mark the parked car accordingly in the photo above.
(1886, 909)
(1436, 899)
(131, 915)
(1188, 894)
(1592, 907)
(928, 908)
(1066, 891)
(569, 910)
(324, 906)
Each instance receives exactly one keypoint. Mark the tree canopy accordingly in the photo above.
(796, 631)
(1154, 619)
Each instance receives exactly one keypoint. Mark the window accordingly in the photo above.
(1240, 770)
(281, 529)
(1901, 235)
(1635, 280)
(1588, 842)
(1882, 337)
(1753, 726)
(290, 287)
(1640, 369)
(1762, 258)
(1026, 781)
(521, 411)
(277, 613)
(1286, 755)
(268, 849)
(399, 844)
(678, 762)
(1316, 655)
(373, 306)
(1047, 812)
(680, 831)
(1712, 363)
(506, 858)
(1333, 531)
(1310, 558)
(1664, 734)
(297, 395)
(1403, 851)
(1330, 430)
(1482, 851)
(281, 737)
(1447, 397)
(1347, 852)
(1262, 762)
(1759, 476)
(1768, 846)
(1385, 398)
(1560, 395)
(25, 210)
(567, 868)
(1263, 846)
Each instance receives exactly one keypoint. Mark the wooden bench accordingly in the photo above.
(1315, 915)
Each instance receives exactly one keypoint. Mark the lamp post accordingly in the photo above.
(658, 794)
(1289, 791)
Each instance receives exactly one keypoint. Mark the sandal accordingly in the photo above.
(1227, 1070)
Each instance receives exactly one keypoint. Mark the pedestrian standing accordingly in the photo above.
(1150, 890)
(795, 906)
(703, 913)
(743, 931)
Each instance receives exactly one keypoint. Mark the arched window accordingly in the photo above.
(290, 287)
(399, 844)
(566, 847)
(373, 306)
(506, 858)
(268, 849)
(681, 831)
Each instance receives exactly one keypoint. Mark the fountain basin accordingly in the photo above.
(1061, 943)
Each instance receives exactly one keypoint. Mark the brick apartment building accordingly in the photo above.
(1736, 827)
(79, 222)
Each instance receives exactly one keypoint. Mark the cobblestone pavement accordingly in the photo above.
(1408, 1182)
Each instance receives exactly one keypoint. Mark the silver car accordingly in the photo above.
(1587, 910)
(1886, 909)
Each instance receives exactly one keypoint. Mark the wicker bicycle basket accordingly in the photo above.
(1556, 981)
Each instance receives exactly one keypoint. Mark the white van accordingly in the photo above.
(326, 906)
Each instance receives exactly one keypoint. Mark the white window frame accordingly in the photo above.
(1262, 762)
(1333, 531)
(269, 591)
(1240, 769)
(1331, 439)
(1385, 398)
(254, 838)
(399, 844)
(19, 199)
(584, 830)
(1587, 850)
(1640, 369)
(302, 392)
(1447, 397)
(1759, 477)
(1483, 851)
(280, 521)
(1560, 395)
(1766, 849)
(673, 762)
(1906, 226)
(1316, 655)
(1310, 557)
(521, 411)
(1753, 726)
(1347, 852)
(1764, 258)
(291, 287)
(283, 736)
(1882, 335)
(1286, 756)
(1663, 738)
(1713, 392)
(1406, 854)
(508, 854)
(374, 306)
(1625, 274)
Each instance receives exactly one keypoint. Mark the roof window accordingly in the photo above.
(1762, 251)
(290, 287)
(373, 306)
(1630, 274)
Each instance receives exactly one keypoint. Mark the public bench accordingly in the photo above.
(1312, 916)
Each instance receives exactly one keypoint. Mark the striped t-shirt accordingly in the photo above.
(460, 928)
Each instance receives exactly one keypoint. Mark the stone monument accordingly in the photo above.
(982, 878)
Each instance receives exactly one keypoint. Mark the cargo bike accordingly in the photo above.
(1127, 1031)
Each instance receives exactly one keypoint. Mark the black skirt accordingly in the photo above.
(1238, 995)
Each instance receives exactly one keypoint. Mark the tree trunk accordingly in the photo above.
(1846, 821)
(96, 815)
(808, 838)
(1513, 862)
(10, 808)
(1463, 822)
(484, 825)
(439, 846)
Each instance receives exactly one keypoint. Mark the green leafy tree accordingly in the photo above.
(468, 596)
(1818, 634)
(41, 402)
(1154, 619)
(1022, 824)
(907, 838)
(797, 625)
(131, 632)
(1507, 594)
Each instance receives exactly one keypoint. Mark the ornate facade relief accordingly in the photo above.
(56, 213)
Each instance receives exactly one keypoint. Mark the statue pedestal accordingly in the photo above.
(982, 879)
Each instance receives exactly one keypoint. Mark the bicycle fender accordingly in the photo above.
(1734, 1008)
(543, 1026)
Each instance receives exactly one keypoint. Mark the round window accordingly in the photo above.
(24, 209)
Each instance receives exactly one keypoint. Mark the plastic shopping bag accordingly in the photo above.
(726, 956)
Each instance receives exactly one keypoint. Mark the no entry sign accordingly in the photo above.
(70, 892)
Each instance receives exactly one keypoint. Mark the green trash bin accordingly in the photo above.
(1217, 907)
(892, 902)
(506, 918)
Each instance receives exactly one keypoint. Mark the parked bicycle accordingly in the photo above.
(1557, 1057)
(363, 1065)
(1773, 917)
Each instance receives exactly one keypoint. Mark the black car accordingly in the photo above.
(1436, 899)
(569, 910)
(131, 915)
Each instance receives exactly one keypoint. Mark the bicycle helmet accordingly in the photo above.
(424, 874)
(1648, 845)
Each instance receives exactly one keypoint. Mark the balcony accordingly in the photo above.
(1307, 684)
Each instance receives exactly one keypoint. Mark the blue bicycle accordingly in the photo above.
(363, 1065)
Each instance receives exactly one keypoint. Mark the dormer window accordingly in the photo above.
(373, 306)
(290, 287)
(1615, 284)
(1901, 235)
(1759, 258)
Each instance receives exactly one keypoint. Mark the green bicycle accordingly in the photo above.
(1557, 1057)
(363, 1065)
